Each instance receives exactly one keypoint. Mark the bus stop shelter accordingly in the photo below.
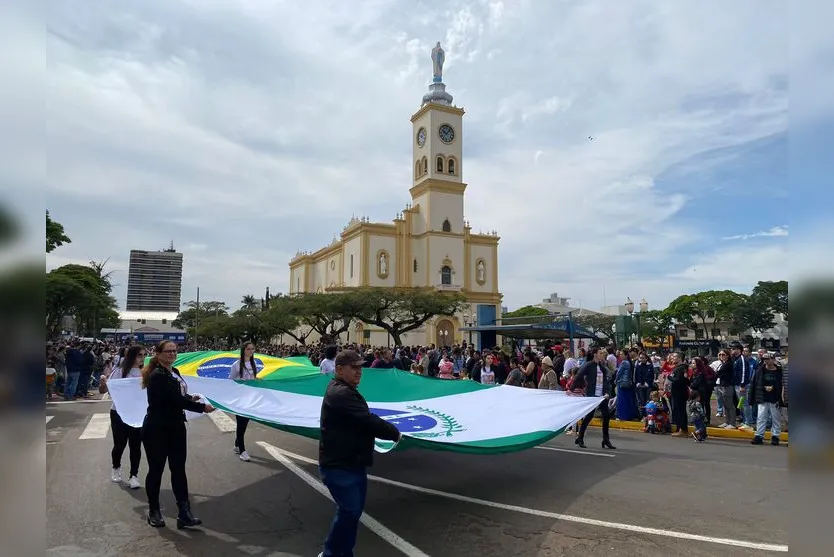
(556, 327)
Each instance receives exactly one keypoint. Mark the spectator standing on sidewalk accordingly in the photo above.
(766, 392)
(346, 450)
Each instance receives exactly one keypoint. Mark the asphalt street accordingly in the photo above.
(655, 495)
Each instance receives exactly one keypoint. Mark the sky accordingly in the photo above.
(246, 130)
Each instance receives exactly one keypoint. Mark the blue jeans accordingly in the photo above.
(348, 488)
(746, 410)
(71, 385)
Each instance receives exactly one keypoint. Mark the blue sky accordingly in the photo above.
(245, 131)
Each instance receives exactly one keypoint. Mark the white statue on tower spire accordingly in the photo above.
(438, 56)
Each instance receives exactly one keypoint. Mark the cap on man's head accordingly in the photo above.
(348, 358)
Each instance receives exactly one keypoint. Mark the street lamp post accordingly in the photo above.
(468, 321)
(629, 306)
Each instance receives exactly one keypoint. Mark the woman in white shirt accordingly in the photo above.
(123, 434)
(245, 369)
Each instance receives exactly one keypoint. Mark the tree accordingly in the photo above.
(82, 293)
(717, 305)
(400, 310)
(772, 296)
(329, 315)
(597, 324)
(527, 311)
(189, 318)
(655, 326)
(55, 236)
(249, 302)
(284, 318)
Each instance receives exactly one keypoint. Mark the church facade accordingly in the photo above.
(428, 244)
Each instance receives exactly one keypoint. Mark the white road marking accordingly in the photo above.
(97, 427)
(82, 401)
(223, 422)
(556, 516)
(587, 453)
(370, 522)
(49, 418)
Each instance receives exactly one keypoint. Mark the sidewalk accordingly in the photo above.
(714, 432)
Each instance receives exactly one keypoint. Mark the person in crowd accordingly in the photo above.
(245, 368)
(484, 372)
(446, 368)
(679, 390)
(699, 380)
(384, 360)
(327, 364)
(346, 448)
(131, 363)
(164, 434)
(595, 376)
(643, 381)
(516, 376)
(742, 373)
(725, 388)
(766, 392)
(549, 380)
(626, 396)
(695, 413)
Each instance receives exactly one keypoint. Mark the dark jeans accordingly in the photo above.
(642, 399)
(71, 385)
(348, 488)
(84, 382)
(240, 432)
(606, 420)
(165, 443)
(124, 435)
(679, 416)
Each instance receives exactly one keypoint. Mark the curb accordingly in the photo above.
(714, 432)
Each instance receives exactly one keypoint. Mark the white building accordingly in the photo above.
(428, 244)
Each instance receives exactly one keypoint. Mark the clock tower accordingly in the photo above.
(437, 155)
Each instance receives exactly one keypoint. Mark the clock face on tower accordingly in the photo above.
(446, 133)
(421, 137)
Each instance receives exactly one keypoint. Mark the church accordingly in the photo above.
(428, 244)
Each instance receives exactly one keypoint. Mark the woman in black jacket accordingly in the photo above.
(163, 432)
(680, 395)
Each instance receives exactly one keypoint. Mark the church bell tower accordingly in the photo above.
(437, 131)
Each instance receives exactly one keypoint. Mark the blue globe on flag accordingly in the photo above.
(407, 421)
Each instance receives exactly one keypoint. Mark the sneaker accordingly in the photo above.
(134, 483)
(237, 451)
(756, 441)
(244, 456)
(116, 475)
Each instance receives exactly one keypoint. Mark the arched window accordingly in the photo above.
(445, 275)
(451, 166)
(425, 165)
(415, 265)
(440, 164)
(447, 226)
(417, 169)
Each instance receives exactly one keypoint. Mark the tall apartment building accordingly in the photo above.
(154, 281)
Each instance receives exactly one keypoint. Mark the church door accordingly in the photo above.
(445, 332)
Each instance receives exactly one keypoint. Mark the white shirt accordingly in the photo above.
(327, 366)
(487, 376)
(600, 379)
(247, 375)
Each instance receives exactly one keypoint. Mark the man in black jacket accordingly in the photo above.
(594, 375)
(346, 449)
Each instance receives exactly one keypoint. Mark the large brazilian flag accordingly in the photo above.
(216, 365)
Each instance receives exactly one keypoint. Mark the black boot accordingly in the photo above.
(580, 441)
(607, 445)
(774, 441)
(155, 519)
(185, 519)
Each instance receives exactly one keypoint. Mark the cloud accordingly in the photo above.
(776, 231)
(258, 128)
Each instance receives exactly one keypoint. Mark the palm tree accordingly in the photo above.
(249, 302)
